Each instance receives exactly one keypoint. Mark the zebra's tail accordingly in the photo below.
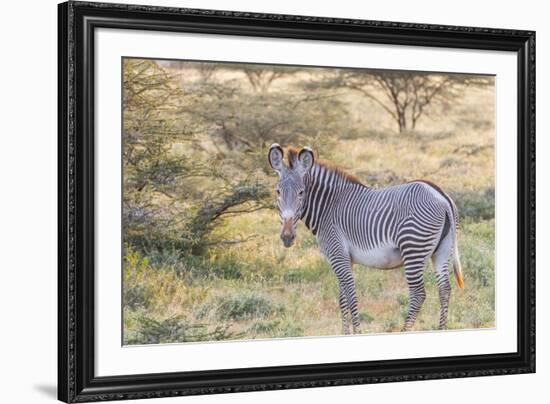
(456, 256)
(456, 265)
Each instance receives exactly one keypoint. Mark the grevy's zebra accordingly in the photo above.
(383, 228)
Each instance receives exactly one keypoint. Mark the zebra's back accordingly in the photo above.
(375, 223)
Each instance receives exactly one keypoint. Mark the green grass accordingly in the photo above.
(286, 293)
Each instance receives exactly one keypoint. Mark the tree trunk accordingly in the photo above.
(402, 122)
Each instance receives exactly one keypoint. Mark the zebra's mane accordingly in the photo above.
(292, 156)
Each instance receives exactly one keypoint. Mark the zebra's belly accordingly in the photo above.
(384, 257)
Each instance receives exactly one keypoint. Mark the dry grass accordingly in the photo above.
(259, 289)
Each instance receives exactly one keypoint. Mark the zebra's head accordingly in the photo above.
(291, 188)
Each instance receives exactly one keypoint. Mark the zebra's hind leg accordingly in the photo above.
(414, 272)
(444, 295)
(440, 261)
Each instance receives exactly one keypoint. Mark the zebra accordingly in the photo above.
(390, 227)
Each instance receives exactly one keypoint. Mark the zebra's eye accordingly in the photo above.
(301, 193)
(278, 191)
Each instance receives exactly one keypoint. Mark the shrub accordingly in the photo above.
(365, 317)
(307, 273)
(450, 162)
(240, 306)
(479, 313)
(134, 291)
(477, 249)
(264, 327)
(154, 288)
(475, 205)
(195, 267)
(289, 330)
(403, 300)
(390, 325)
(135, 297)
(226, 269)
(176, 329)
(275, 329)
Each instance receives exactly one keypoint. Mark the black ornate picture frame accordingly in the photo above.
(78, 21)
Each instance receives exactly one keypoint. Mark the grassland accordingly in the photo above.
(259, 289)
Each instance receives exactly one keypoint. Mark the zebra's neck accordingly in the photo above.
(323, 185)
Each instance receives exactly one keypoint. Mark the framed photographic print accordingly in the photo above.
(252, 202)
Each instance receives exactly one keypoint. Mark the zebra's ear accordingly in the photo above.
(275, 157)
(306, 159)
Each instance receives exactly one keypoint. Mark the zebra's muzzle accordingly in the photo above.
(288, 240)
(288, 234)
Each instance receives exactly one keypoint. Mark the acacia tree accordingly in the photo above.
(149, 128)
(194, 147)
(240, 123)
(262, 77)
(405, 96)
(238, 120)
(171, 200)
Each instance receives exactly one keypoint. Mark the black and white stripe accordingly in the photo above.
(385, 228)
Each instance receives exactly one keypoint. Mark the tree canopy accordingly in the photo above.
(195, 144)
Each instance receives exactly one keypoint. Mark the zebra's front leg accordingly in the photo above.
(341, 265)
